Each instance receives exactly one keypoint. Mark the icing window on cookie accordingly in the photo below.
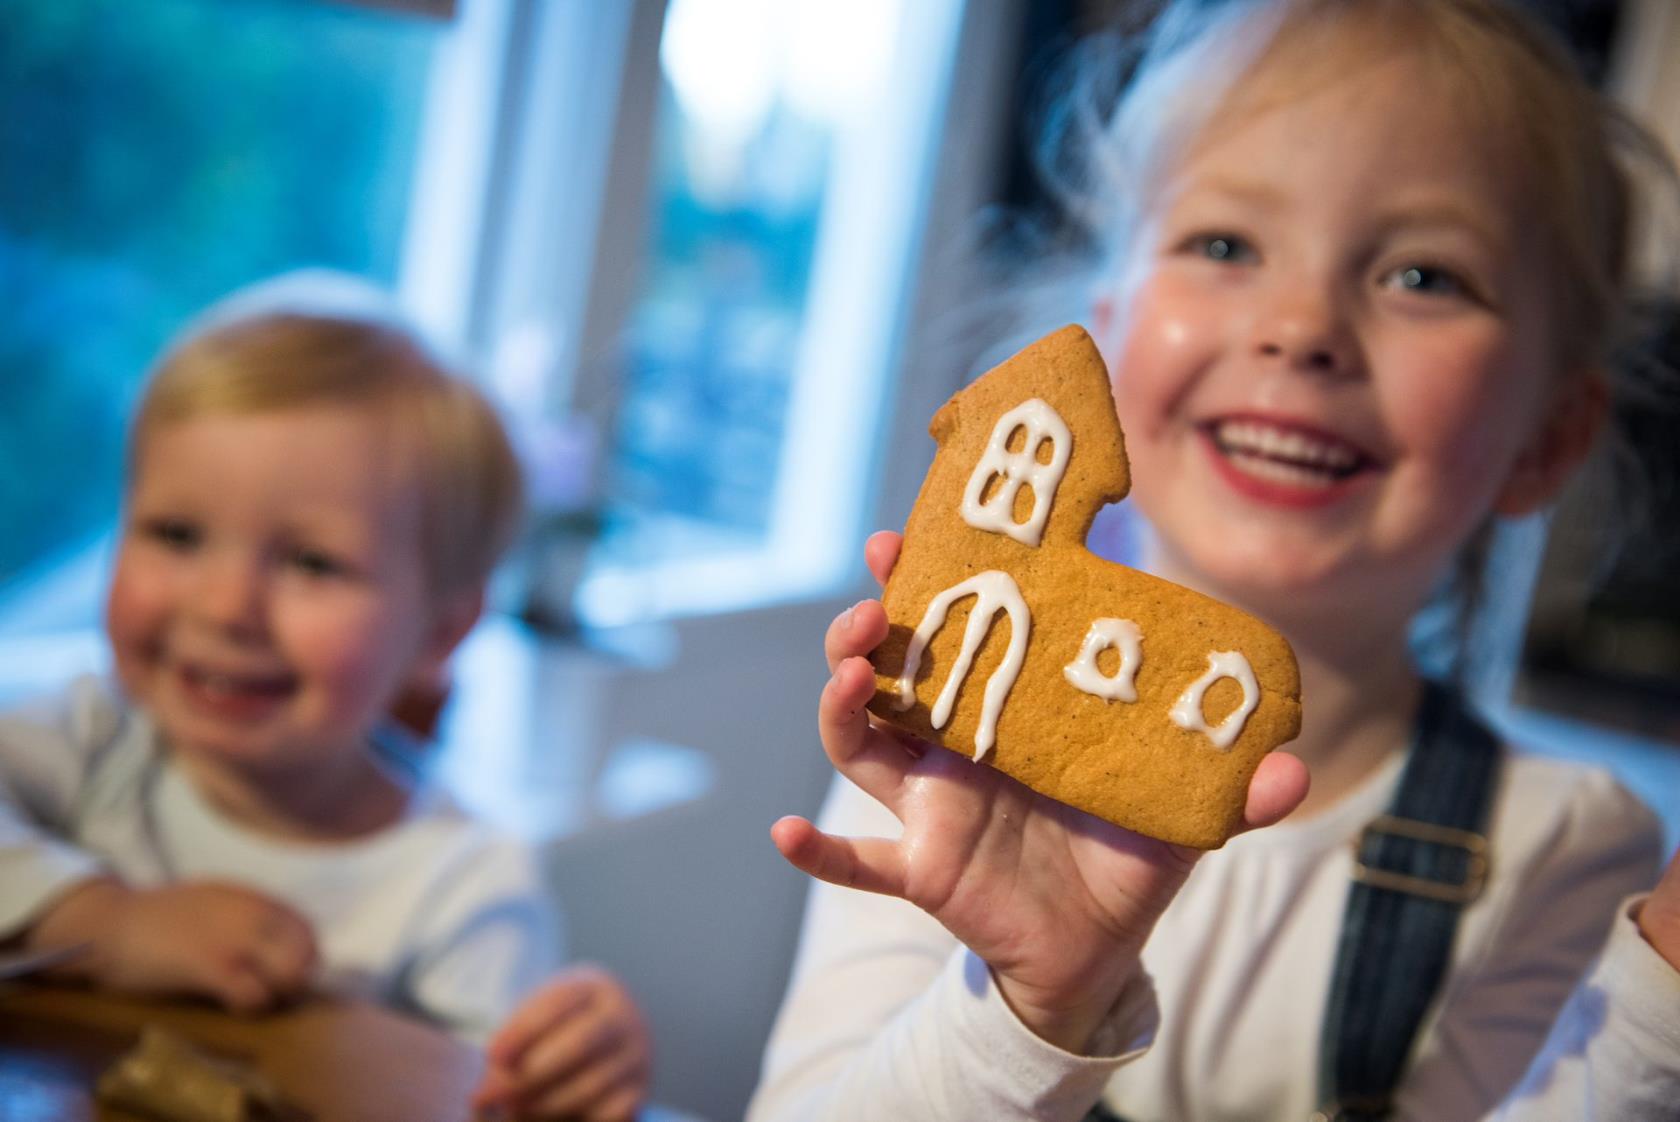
(995, 512)
(995, 591)
(1083, 672)
(1187, 710)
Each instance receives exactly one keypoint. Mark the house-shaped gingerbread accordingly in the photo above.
(1127, 696)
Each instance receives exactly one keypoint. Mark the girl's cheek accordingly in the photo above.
(1155, 354)
(1464, 404)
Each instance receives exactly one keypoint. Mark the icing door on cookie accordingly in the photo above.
(995, 591)
(1015, 469)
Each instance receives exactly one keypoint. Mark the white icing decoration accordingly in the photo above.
(1106, 633)
(996, 591)
(1187, 710)
(1015, 468)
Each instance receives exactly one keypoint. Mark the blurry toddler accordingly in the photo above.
(314, 504)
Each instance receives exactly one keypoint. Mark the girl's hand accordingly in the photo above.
(226, 942)
(576, 1049)
(1057, 902)
(1659, 916)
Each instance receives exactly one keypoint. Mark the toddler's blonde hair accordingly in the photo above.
(321, 338)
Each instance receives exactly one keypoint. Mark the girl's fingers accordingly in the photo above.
(867, 864)
(858, 750)
(1659, 916)
(1279, 785)
(880, 553)
(855, 631)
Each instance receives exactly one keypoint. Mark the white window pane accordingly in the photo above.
(791, 148)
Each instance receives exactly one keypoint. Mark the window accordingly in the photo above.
(158, 155)
(792, 144)
(681, 232)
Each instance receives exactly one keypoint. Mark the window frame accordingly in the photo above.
(869, 271)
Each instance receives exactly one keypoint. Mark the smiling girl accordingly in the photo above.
(1366, 261)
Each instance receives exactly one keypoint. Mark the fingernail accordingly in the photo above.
(846, 618)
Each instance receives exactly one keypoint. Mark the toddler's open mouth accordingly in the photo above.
(224, 690)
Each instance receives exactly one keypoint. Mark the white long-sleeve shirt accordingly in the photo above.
(887, 1016)
(1614, 1052)
(436, 915)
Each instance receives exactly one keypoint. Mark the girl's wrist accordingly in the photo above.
(1660, 926)
(1072, 1025)
(1658, 917)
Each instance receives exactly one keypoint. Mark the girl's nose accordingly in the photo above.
(1306, 330)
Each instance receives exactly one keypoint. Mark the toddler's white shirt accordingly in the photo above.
(436, 915)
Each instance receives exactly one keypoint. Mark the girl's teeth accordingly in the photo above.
(1296, 475)
(1251, 441)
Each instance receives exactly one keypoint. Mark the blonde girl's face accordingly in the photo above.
(1330, 346)
(269, 597)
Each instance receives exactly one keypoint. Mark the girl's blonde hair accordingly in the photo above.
(319, 338)
(1108, 141)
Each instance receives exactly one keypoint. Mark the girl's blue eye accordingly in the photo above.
(1222, 247)
(176, 534)
(1428, 279)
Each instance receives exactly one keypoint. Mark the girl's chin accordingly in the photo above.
(1281, 588)
(1237, 574)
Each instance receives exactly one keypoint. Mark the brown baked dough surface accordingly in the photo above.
(1126, 762)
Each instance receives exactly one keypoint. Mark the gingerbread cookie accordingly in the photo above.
(1127, 696)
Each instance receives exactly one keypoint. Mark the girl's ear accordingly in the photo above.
(1102, 320)
(1561, 442)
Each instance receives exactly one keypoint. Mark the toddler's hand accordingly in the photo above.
(1659, 916)
(1057, 902)
(213, 939)
(576, 1049)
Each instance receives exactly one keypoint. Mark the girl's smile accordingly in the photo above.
(1284, 462)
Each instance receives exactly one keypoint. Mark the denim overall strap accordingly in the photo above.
(1101, 1113)
(1415, 869)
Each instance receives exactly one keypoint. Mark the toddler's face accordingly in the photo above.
(1329, 346)
(269, 597)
